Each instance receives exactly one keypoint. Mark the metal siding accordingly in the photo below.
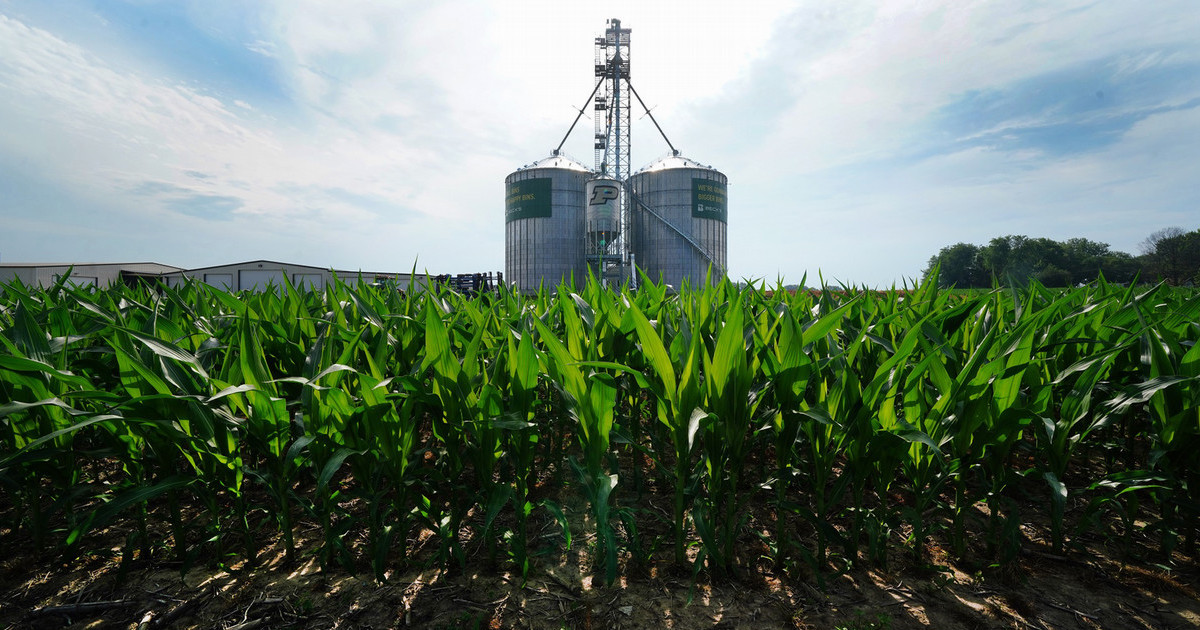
(313, 280)
(603, 213)
(660, 250)
(80, 281)
(219, 280)
(259, 279)
(548, 249)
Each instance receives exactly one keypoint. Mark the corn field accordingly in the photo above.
(718, 429)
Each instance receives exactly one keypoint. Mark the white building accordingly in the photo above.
(254, 275)
(82, 274)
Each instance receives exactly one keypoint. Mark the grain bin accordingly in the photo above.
(603, 224)
(544, 222)
(679, 216)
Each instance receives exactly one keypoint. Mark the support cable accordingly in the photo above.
(674, 151)
(581, 110)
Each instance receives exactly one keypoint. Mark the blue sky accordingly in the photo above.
(858, 137)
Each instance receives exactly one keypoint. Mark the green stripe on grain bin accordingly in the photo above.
(709, 200)
(527, 199)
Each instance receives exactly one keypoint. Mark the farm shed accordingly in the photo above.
(83, 274)
(252, 275)
(257, 275)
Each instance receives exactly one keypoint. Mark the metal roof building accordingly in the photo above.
(256, 275)
(82, 274)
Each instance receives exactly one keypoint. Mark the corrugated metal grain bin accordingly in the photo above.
(544, 222)
(679, 218)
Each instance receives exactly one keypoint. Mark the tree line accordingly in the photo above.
(1171, 255)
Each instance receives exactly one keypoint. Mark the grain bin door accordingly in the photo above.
(219, 280)
(260, 279)
(308, 280)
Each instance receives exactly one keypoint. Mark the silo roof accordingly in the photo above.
(673, 161)
(557, 161)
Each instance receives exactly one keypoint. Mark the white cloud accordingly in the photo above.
(400, 121)
(826, 140)
(106, 132)
(263, 47)
(860, 89)
(114, 120)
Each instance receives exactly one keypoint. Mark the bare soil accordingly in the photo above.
(1090, 587)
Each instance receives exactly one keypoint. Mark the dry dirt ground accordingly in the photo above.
(1089, 588)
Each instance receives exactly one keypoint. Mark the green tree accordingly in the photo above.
(995, 255)
(1084, 258)
(1015, 259)
(1150, 244)
(1054, 276)
(1173, 255)
(960, 267)
(1120, 267)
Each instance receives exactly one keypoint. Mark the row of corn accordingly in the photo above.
(714, 427)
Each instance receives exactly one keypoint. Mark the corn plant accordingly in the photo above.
(591, 397)
(375, 417)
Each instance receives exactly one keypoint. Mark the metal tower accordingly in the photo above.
(613, 115)
(612, 102)
(608, 251)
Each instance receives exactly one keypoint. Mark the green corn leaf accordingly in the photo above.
(230, 391)
(826, 324)
(331, 467)
(18, 406)
(694, 423)
(22, 364)
(28, 336)
(165, 349)
(106, 513)
(297, 446)
(556, 511)
(652, 344)
(1058, 490)
(498, 499)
